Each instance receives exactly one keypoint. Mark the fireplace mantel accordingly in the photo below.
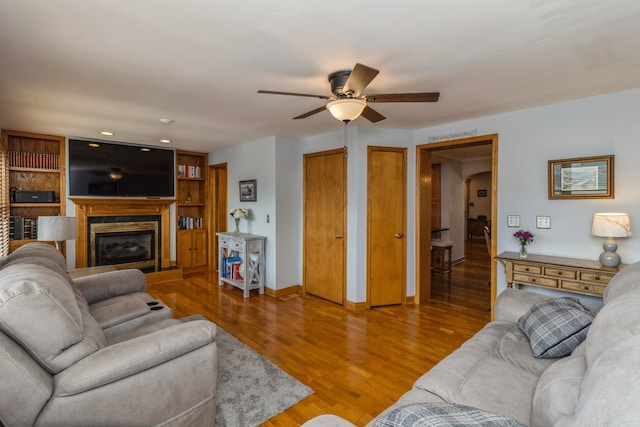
(87, 207)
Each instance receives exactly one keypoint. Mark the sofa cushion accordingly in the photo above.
(486, 373)
(443, 414)
(609, 393)
(625, 281)
(618, 320)
(555, 327)
(39, 310)
(558, 389)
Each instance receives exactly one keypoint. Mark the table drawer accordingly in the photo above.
(525, 268)
(535, 280)
(597, 277)
(590, 288)
(559, 272)
(236, 245)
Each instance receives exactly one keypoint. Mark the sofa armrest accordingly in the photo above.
(102, 286)
(128, 358)
(511, 304)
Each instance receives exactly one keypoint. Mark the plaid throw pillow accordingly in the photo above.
(555, 327)
(443, 415)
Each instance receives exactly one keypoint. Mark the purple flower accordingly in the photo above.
(523, 237)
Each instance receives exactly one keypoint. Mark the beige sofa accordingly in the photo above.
(98, 350)
(598, 384)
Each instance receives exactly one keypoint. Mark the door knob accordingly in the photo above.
(338, 236)
(399, 235)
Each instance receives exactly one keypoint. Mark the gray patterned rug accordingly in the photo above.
(251, 389)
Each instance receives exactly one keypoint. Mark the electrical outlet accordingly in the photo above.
(543, 222)
(513, 220)
(268, 219)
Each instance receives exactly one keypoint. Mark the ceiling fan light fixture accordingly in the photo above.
(346, 109)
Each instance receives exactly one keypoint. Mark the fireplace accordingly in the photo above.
(125, 244)
(125, 220)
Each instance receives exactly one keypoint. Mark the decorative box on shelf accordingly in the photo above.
(241, 261)
(580, 276)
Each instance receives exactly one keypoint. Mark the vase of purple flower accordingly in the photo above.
(523, 238)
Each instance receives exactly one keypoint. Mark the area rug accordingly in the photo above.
(251, 389)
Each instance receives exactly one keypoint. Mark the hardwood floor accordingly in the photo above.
(469, 284)
(357, 363)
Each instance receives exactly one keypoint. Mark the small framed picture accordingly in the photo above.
(482, 193)
(248, 190)
(581, 178)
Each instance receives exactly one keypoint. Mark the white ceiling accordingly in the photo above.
(74, 67)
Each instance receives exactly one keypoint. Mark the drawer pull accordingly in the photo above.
(533, 280)
(559, 273)
(526, 269)
(597, 277)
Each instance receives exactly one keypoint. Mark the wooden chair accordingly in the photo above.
(487, 240)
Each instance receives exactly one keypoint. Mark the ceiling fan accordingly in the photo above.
(348, 102)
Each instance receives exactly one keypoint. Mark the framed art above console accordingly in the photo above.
(581, 178)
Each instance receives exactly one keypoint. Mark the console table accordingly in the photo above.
(241, 261)
(566, 274)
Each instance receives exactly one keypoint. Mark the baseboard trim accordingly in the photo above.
(278, 293)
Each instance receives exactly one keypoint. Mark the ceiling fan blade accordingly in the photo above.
(372, 115)
(310, 95)
(359, 79)
(404, 97)
(310, 113)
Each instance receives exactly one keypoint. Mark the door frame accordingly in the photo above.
(423, 210)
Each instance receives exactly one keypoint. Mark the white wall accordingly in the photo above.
(255, 160)
(481, 205)
(593, 126)
(528, 139)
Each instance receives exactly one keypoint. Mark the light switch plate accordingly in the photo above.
(513, 220)
(543, 222)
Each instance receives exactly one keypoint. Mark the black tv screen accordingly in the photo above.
(108, 169)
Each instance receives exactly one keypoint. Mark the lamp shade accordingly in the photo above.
(611, 225)
(346, 109)
(56, 228)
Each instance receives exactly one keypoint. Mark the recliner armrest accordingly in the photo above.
(511, 304)
(102, 286)
(127, 358)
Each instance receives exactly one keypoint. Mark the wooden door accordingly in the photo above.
(219, 214)
(324, 228)
(386, 225)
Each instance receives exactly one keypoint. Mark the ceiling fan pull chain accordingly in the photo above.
(346, 149)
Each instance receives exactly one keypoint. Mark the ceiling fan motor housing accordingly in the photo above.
(338, 79)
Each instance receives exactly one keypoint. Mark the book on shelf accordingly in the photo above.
(189, 171)
(21, 159)
(231, 267)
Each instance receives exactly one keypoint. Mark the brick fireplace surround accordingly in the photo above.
(86, 208)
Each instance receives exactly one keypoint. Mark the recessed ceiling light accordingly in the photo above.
(106, 133)
(145, 149)
(167, 121)
(94, 145)
(166, 141)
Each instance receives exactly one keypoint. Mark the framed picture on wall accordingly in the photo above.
(581, 178)
(248, 190)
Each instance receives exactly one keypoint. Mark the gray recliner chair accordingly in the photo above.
(60, 366)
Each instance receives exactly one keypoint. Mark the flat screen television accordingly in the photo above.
(110, 169)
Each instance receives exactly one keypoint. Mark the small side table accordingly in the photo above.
(237, 252)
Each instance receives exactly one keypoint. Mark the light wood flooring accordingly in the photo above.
(357, 363)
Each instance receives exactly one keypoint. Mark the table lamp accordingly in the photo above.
(610, 225)
(57, 229)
